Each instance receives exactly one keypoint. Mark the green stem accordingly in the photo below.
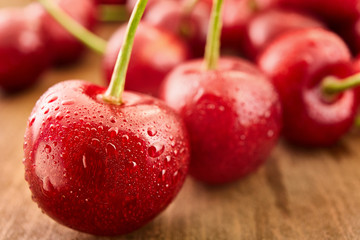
(113, 13)
(116, 88)
(332, 85)
(212, 50)
(77, 30)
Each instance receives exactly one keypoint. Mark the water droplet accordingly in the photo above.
(110, 149)
(112, 119)
(32, 120)
(156, 150)
(113, 132)
(84, 161)
(58, 116)
(68, 102)
(270, 133)
(221, 108)
(151, 131)
(125, 138)
(47, 149)
(47, 186)
(95, 142)
(176, 152)
(168, 158)
(171, 137)
(53, 99)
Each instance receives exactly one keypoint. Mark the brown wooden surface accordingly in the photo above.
(297, 194)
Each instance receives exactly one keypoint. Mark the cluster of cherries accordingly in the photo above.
(107, 161)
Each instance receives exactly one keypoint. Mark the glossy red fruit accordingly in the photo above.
(23, 55)
(233, 116)
(356, 64)
(267, 25)
(101, 168)
(63, 47)
(191, 25)
(111, 1)
(235, 15)
(155, 53)
(297, 63)
(351, 34)
(333, 11)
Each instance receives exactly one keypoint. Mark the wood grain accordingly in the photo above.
(298, 194)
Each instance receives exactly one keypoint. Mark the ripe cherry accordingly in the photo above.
(23, 54)
(231, 111)
(104, 161)
(186, 20)
(297, 63)
(156, 52)
(63, 47)
(267, 25)
(333, 11)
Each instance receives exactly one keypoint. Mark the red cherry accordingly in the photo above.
(297, 63)
(334, 11)
(23, 55)
(102, 168)
(351, 34)
(356, 64)
(155, 53)
(190, 24)
(267, 25)
(236, 14)
(111, 1)
(233, 116)
(63, 46)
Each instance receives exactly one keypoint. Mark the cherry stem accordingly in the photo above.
(332, 85)
(212, 50)
(76, 29)
(116, 88)
(113, 13)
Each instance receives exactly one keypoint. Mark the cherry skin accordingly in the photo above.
(23, 54)
(111, 1)
(101, 168)
(333, 11)
(232, 114)
(65, 48)
(351, 34)
(173, 17)
(267, 25)
(155, 53)
(235, 15)
(297, 63)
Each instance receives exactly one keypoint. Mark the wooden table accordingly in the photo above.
(297, 194)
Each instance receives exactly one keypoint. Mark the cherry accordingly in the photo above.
(111, 1)
(351, 34)
(156, 52)
(231, 111)
(104, 161)
(356, 64)
(187, 19)
(297, 63)
(23, 55)
(236, 14)
(63, 46)
(267, 25)
(333, 11)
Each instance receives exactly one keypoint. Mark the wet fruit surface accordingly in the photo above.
(233, 116)
(297, 63)
(101, 168)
